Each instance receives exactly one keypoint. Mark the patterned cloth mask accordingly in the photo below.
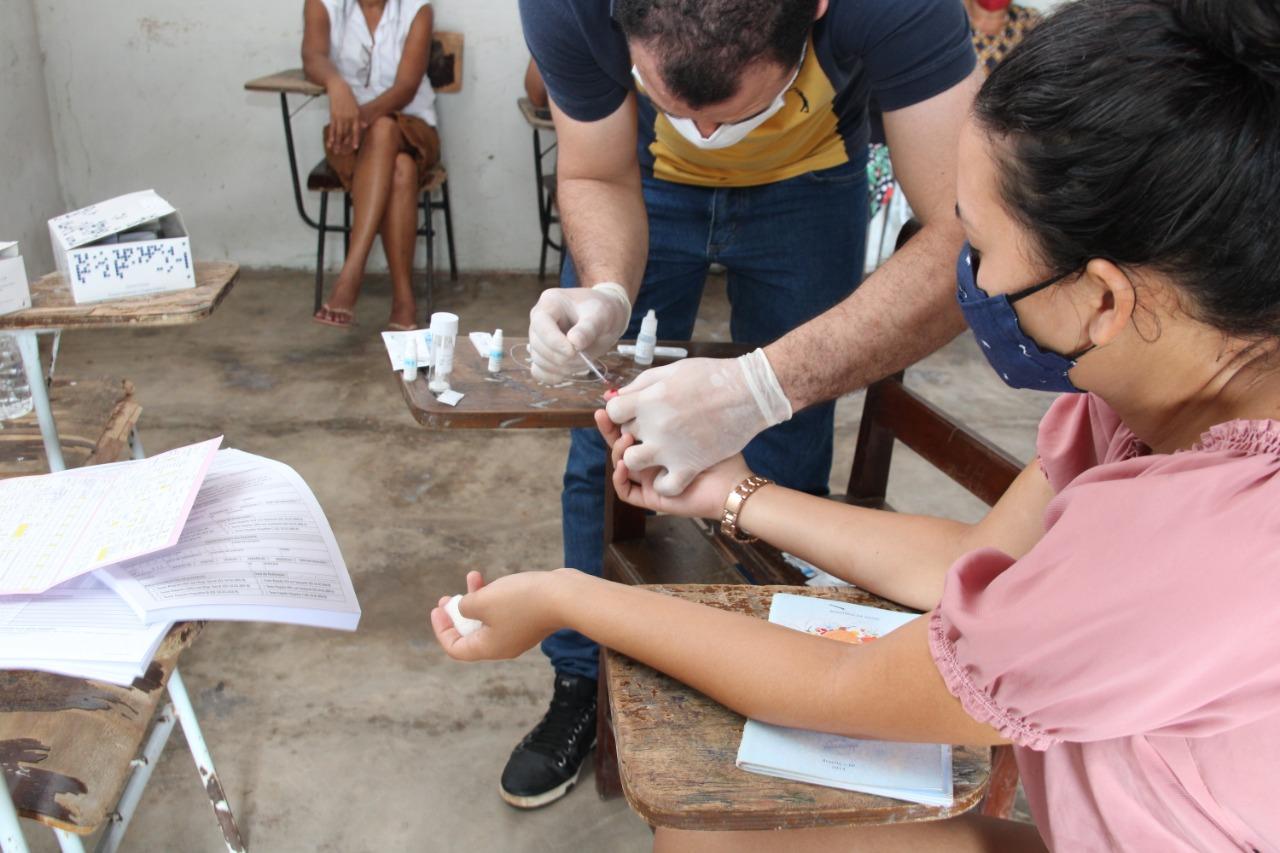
(1012, 353)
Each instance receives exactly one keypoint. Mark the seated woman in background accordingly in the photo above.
(1115, 615)
(371, 57)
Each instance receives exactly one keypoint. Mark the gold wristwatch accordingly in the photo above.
(733, 507)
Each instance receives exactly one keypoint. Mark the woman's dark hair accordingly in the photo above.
(704, 45)
(1147, 132)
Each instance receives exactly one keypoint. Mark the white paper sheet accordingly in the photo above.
(78, 628)
(397, 343)
(917, 772)
(256, 546)
(54, 527)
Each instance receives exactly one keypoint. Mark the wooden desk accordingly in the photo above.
(512, 399)
(676, 747)
(53, 309)
(66, 743)
(292, 81)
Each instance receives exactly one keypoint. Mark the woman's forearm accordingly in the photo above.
(320, 69)
(395, 98)
(888, 689)
(900, 557)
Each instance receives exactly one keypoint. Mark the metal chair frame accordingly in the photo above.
(547, 215)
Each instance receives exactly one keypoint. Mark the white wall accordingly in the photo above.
(149, 94)
(29, 190)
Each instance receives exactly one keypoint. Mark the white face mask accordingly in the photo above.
(728, 134)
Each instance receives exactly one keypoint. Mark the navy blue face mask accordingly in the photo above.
(1012, 353)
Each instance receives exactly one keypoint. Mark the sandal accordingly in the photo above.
(337, 317)
(402, 327)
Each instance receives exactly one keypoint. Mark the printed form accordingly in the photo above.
(80, 628)
(257, 546)
(54, 527)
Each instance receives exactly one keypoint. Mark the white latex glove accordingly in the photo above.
(571, 320)
(694, 413)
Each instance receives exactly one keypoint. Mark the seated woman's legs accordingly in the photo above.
(399, 236)
(370, 194)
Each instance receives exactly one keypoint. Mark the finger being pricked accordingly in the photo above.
(610, 431)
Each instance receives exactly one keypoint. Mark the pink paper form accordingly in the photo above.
(54, 527)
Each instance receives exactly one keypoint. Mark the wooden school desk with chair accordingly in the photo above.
(53, 311)
(666, 550)
(693, 559)
(75, 754)
(444, 70)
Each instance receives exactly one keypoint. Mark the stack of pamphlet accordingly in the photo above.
(96, 564)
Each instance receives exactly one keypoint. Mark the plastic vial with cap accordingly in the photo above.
(647, 338)
(496, 347)
(444, 334)
(409, 359)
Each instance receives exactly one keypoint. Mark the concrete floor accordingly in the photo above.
(374, 741)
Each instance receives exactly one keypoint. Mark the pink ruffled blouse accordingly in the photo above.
(1133, 655)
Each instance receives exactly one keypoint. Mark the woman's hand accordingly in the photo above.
(704, 497)
(343, 133)
(518, 612)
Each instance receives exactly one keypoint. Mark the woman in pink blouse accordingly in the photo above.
(1116, 616)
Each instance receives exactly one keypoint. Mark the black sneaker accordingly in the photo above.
(544, 767)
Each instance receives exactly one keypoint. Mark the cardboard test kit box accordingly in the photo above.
(131, 245)
(14, 293)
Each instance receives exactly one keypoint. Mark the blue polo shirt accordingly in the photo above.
(890, 53)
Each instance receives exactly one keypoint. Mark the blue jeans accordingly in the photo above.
(792, 250)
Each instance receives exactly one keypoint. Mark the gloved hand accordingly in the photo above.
(692, 414)
(570, 320)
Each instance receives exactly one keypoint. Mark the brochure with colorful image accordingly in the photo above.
(916, 772)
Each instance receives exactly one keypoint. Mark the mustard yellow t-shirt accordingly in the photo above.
(862, 55)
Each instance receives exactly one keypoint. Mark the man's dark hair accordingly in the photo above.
(704, 45)
(1147, 132)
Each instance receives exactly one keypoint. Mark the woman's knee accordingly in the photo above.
(404, 175)
(383, 132)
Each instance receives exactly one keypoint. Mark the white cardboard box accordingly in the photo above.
(14, 292)
(97, 267)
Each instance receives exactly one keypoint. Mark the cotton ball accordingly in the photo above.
(464, 625)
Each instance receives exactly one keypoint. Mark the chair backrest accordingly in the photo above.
(892, 411)
(444, 67)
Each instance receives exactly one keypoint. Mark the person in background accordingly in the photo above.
(1114, 615)
(371, 57)
(998, 26)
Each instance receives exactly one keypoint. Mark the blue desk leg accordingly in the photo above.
(29, 346)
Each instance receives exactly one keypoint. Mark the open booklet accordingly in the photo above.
(256, 546)
(917, 772)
